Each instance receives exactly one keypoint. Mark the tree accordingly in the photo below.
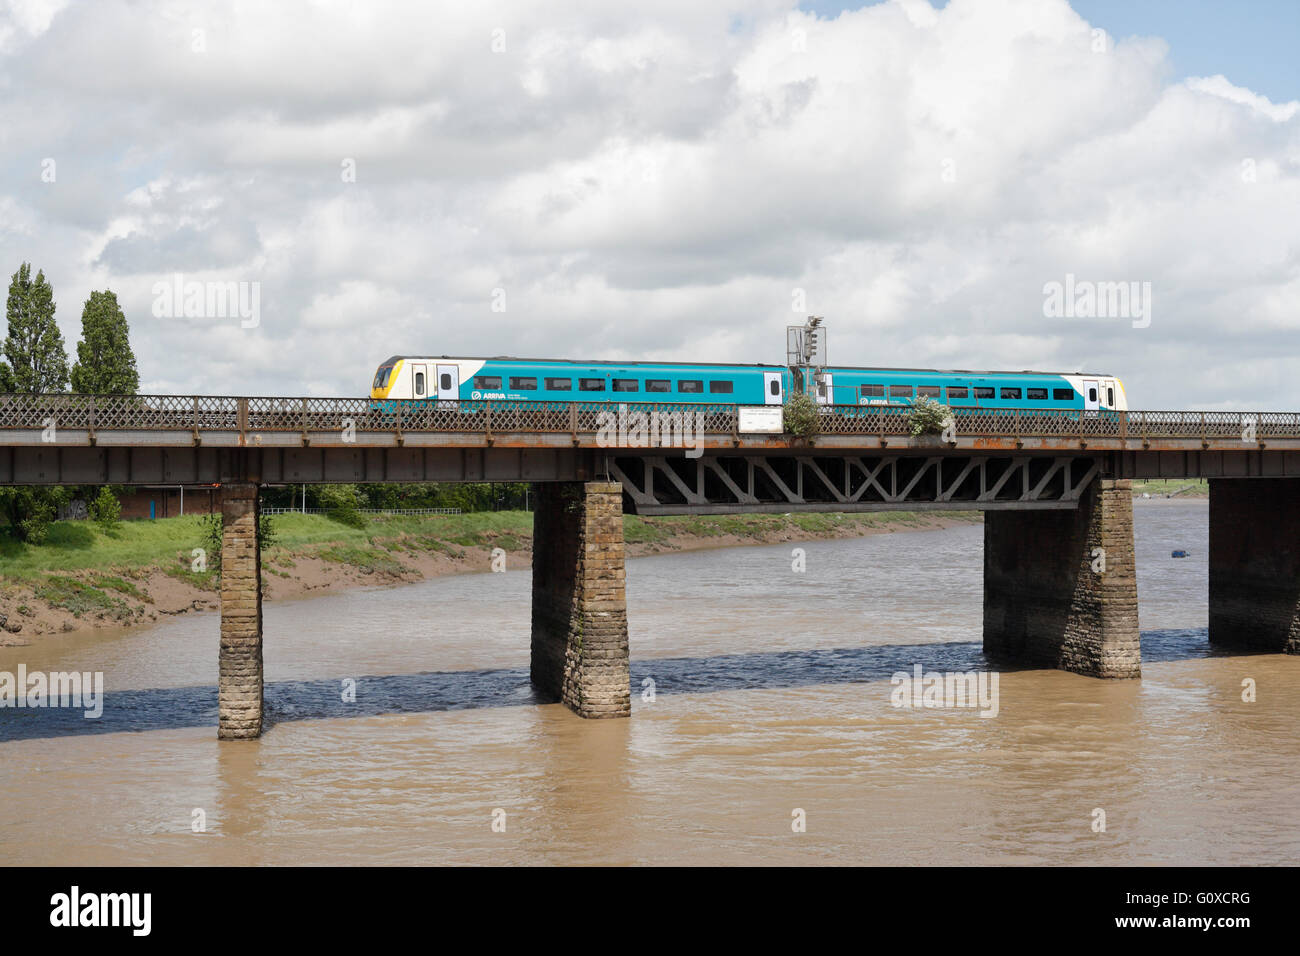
(105, 363)
(28, 511)
(37, 359)
(106, 510)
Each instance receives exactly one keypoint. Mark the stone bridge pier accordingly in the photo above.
(239, 682)
(1060, 587)
(579, 642)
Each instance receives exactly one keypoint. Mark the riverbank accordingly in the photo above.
(142, 571)
(1171, 488)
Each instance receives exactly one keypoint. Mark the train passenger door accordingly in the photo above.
(772, 388)
(420, 381)
(448, 382)
(826, 389)
(1091, 395)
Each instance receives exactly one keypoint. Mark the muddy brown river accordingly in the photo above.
(761, 697)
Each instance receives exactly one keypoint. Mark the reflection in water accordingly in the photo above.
(771, 692)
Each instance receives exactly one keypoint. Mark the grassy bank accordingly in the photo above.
(166, 544)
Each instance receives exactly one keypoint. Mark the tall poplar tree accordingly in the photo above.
(105, 363)
(36, 359)
(35, 362)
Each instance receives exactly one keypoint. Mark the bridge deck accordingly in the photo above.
(232, 422)
(73, 439)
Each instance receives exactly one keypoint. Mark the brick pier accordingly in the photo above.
(239, 707)
(1047, 600)
(1255, 564)
(579, 642)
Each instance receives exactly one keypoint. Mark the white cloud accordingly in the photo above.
(652, 183)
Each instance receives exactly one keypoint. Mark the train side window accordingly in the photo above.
(419, 383)
(721, 387)
(1063, 394)
(690, 385)
(958, 391)
(1011, 393)
(927, 391)
(445, 382)
(627, 385)
(559, 384)
(658, 385)
(487, 381)
(1036, 394)
(1110, 396)
(774, 386)
(873, 391)
(1092, 394)
(591, 384)
(900, 391)
(983, 392)
(527, 383)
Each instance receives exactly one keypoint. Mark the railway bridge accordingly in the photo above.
(1060, 587)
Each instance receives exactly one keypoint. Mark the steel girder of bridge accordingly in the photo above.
(719, 484)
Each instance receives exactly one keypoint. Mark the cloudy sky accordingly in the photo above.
(674, 180)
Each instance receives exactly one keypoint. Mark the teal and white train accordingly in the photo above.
(443, 378)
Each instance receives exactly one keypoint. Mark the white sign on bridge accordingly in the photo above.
(761, 419)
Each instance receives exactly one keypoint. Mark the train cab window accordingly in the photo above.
(721, 387)
(487, 381)
(900, 391)
(1036, 394)
(559, 384)
(983, 392)
(927, 391)
(627, 385)
(382, 376)
(591, 384)
(658, 385)
(419, 383)
(958, 393)
(872, 391)
(527, 383)
(444, 382)
(1063, 394)
(1110, 396)
(1013, 393)
(690, 385)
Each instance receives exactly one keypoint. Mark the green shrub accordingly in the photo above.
(341, 504)
(928, 417)
(800, 415)
(106, 510)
